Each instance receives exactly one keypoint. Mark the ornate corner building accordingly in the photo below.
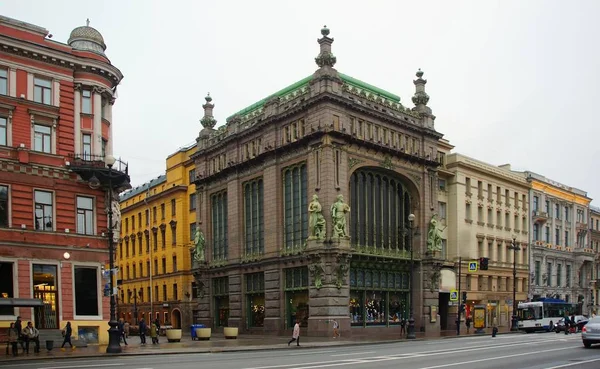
(55, 131)
(159, 224)
(273, 253)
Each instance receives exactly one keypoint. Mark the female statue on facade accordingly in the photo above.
(199, 246)
(316, 220)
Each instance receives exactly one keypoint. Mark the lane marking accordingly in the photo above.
(355, 353)
(310, 353)
(77, 366)
(574, 363)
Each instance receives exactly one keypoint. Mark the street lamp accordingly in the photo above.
(114, 337)
(514, 327)
(411, 320)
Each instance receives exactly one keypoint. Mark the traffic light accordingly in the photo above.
(464, 297)
(483, 263)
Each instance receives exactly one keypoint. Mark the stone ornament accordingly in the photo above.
(434, 235)
(316, 271)
(338, 217)
(341, 270)
(199, 246)
(316, 221)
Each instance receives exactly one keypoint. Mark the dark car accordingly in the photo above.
(579, 319)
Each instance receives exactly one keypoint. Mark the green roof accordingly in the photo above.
(347, 79)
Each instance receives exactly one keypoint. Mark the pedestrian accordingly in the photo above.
(31, 334)
(154, 333)
(142, 328)
(126, 329)
(567, 324)
(19, 330)
(157, 329)
(573, 324)
(468, 323)
(296, 334)
(336, 329)
(13, 337)
(122, 331)
(402, 327)
(67, 332)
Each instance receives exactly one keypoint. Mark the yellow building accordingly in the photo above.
(157, 231)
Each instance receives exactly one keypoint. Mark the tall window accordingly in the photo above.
(86, 291)
(85, 215)
(86, 143)
(442, 211)
(175, 292)
(86, 102)
(4, 215)
(295, 206)
(219, 225)
(536, 232)
(538, 268)
(3, 83)
(192, 202)
(104, 142)
(192, 175)
(7, 286)
(3, 131)
(162, 211)
(164, 265)
(192, 231)
(558, 275)
(557, 236)
(567, 238)
(173, 208)
(557, 211)
(42, 91)
(547, 234)
(164, 292)
(173, 233)
(536, 203)
(175, 263)
(568, 277)
(380, 206)
(253, 217)
(44, 210)
(547, 207)
(42, 138)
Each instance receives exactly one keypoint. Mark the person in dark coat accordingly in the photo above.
(157, 323)
(122, 331)
(67, 332)
(19, 330)
(143, 328)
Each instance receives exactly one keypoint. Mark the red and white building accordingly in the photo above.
(55, 131)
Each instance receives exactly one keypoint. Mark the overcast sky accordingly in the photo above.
(510, 81)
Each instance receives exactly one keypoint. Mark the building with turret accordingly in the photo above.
(316, 203)
(55, 143)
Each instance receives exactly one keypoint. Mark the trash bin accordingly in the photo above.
(49, 345)
(193, 329)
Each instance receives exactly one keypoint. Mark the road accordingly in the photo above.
(532, 351)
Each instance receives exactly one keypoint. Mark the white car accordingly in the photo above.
(590, 333)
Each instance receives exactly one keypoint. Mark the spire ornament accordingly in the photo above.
(208, 121)
(326, 57)
(420, 98)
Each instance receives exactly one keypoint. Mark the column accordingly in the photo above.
(55, 92)
(108, 116)
(97, 109)
(12, 82)
(77, 119)
(30, 86)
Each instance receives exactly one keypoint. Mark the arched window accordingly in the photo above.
(380, 204)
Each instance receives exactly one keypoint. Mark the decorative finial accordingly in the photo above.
(326, 57)
(420, 98)
(419, 73)
(208, 121)
(87, 22)
(325, 31)
(208, 98)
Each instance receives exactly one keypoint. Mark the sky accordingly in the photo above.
(510, 81)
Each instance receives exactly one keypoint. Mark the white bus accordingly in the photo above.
(537, 315)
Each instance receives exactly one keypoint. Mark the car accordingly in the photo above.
(590, 333)
(579, 319)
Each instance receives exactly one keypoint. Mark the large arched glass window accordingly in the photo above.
(380, 205)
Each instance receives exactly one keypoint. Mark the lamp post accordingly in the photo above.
(114, 339)
(410, 333)
(514, 327)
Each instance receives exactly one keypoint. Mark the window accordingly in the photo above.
(148, 272)
(567, 238)
(255, 298)
(547, 234)
(173, 233)
(42, 138)
(42, 91)
(557, 236)
(568, 277)
(147, 218)
(7, 287)
(192, 202)
(86, 102)
(567, 214)
(85, 215)
(295, 211)
(536, 232)
(538, 273)
(557, 211)
(44, 210)
(162, 211)
(3, 131)
(536, 201)
(164, 265)
(442, 184)
(4, 214)
(194, 290)
(163, 236)
(253, 217)
(104, 142)
(155, 271)
(141, 269)
(154, 217)
(174, 263)
(86, 291)
(549, 274)
(219, 225)
(175, 292)
(134, 269)
(192, 175)
(173, 208)
(3, 84)
(86, 143)
(192, 231)
(164, 292)
(442, 210)
(558, 275)
(547, 207)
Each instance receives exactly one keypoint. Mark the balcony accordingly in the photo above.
(540, 216)
(580, 226)
(89, 166)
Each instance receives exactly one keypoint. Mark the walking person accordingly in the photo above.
(402, 327)
(122, 331)
(126, 329)
(13, 338)
(567, 324)
(143, 328)
(296, 334)
(468, 324)
(157, 329)
(154, 333)
(67, 332)
(336, 329)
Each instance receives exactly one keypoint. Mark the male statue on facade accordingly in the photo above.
(199, 246)
(434, 236)
(338, 216)
(316, 220)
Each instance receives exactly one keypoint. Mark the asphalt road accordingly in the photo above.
(533, 351)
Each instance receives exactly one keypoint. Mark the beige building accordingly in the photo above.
(485, 209)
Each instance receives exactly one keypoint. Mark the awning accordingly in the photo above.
(16, 302)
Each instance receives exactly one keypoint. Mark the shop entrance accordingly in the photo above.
(443, 301)
(45, 288)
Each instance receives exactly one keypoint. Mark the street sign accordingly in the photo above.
(453, 295)
(472, 266)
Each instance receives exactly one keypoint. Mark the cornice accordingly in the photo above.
(152, 198)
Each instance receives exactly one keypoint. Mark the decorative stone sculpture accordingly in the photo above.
(199, 246)
(316, 271)
(340, 271)
(338, 217)
(434, 236)
(316, 221)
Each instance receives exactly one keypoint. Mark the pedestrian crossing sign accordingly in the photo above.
(472, 266)
(453, 295)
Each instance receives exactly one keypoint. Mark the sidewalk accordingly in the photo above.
(216, 344)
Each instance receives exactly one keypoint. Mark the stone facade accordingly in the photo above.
(328, 134)
(595, 245)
